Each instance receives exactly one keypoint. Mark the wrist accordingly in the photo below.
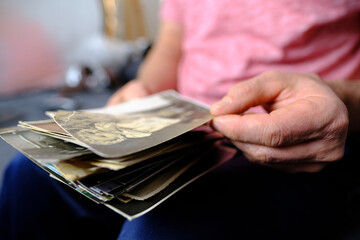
(349, 93)
(339, 89)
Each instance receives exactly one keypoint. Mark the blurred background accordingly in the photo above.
(68, 55)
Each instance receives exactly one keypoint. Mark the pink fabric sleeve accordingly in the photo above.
(172, 10)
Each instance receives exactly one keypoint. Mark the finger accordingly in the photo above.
(287, 125)
(293, 166)
(317, 151)
(259, 90)
(132, 90)
(114, 99)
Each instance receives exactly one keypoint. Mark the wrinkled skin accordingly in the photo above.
(305, 126)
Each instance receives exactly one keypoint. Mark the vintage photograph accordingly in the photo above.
(130, 159)
(111, 136)
(43, 148)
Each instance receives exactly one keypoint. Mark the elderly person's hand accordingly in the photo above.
(305, 127)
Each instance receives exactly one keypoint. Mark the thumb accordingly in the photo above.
(256, 91)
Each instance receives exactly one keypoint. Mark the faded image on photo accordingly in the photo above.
(42, 148)
(119, 135)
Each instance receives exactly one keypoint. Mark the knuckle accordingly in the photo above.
(310, 76)
(343, 120)
(262, 157)
(335, 154)
(270, 73)
(314, 76)
(339, 125)
(273, 135)
(242, 88)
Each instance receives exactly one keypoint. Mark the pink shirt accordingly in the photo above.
(226, 41)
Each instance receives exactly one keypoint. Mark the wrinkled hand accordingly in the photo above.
(305, 127)
(132, 90)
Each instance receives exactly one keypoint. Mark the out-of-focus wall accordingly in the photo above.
(52, 30)
(67, 22)
(151, 12)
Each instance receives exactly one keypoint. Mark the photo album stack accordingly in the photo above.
(130, 157)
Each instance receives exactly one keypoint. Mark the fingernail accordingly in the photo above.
(215, 125)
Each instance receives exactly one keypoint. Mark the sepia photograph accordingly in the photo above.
(113, 136)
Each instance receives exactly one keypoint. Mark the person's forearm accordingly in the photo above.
(159, 70)
(349, 93)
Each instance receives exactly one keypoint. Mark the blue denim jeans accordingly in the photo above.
(238, 200)
(35, 206)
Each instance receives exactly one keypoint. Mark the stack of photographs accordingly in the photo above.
(130, 157)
